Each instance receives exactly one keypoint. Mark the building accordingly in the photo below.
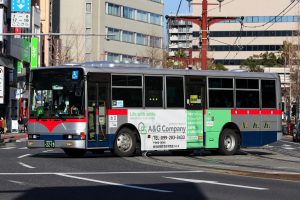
(18, 54)
(258, 27)
(180, 35)
(134, 30)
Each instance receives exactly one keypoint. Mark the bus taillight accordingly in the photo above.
(82, 135)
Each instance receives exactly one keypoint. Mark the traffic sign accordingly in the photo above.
(21, 20)
(20, 5)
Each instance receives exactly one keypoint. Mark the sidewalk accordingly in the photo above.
(11, 137)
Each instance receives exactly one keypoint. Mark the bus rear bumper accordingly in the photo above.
(74, 144)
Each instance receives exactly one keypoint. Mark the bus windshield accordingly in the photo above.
(57, 93)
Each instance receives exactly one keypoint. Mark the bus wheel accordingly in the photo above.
(125, 143)
(75, 153)
(229, 142)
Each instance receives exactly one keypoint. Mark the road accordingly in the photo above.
(49, 174)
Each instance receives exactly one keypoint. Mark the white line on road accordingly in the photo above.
(23, 148)
(103, 173)
(17, 182)
(8, 148)
(290, 142)
(25, 165)
(23, 156)
(47, 151)
(288, 148)
(217, 183)
(114, 184)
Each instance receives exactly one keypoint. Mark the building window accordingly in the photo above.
(113, 9)
(128, 13)
(142, 16)
(128, 36)
(155, 19)
(88, 7)
(155, 42)
(113, 57)
(114, 34)
(141, 39)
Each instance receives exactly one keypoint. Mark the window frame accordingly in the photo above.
(127, 87)
(165, 91)
(208, 88)
(247, 89)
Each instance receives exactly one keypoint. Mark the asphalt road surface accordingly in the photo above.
(49, 174)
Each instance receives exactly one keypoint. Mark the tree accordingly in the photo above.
(252, 64)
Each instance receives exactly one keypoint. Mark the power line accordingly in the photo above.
(178, 8)
(285, 10)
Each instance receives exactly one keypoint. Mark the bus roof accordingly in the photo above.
(130, 68)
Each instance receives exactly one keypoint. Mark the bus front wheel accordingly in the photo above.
(229, 142)
(125, 143)
(75, 153)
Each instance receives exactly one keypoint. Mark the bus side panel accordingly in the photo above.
(214, 122)
(116, 118)
(258, 127)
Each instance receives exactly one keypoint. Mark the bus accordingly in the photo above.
(133, 108)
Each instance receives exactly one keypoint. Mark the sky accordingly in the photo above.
(172, 6)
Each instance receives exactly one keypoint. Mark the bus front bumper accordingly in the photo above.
(74, 144)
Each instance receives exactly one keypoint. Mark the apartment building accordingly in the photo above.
(134, 30)
(180, 35)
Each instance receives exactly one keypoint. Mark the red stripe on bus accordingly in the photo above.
(255, 112)
(51, 124)
(117, 112)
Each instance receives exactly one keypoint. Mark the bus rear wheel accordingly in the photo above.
(75, 153)
(125, 143)
(229, 142)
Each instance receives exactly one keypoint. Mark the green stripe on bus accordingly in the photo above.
(214, 122)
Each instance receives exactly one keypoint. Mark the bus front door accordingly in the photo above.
(97, 106)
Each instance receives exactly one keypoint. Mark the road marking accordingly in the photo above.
(17, 182)
(23, 148)
(294, 143)
(114, 184)
(103, 173)
(216, 183)
(286, 145)
(25, 165)
(23, 156)
(47, 151)
(288, 148)
(8, 148)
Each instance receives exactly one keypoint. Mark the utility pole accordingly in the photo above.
(204, 22)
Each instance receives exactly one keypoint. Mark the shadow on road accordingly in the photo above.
(184, 191)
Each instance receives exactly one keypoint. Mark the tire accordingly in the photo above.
(229, 142)
(125, 143)
(75, 153)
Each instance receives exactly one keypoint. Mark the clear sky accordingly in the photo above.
(171, 6)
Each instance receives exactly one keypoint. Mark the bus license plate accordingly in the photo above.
(49, 144)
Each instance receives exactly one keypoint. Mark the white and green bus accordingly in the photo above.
(132, 108)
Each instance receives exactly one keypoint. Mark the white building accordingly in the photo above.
(135, 28)
(265, 25)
